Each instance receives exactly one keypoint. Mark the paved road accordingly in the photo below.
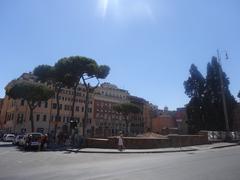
(219, 164)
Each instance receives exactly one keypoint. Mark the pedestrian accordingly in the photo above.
(68, 141)
(44, 142)
(120, 142)
(28, 143)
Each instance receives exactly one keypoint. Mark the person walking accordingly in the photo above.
(120, 142)
(44, 142)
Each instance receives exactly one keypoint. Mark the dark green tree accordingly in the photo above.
(127, 109)
(32, 92)
(93, 72)
(194, 89)
(213, 98)
(82, 68)
(58, 79)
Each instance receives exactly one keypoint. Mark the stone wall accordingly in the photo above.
(149, 143)
(187, 140)
(140, 143)
(97, 143)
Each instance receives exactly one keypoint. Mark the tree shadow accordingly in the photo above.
(36, 150)
(6, 145)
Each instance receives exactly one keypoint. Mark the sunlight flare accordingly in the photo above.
(126, 9)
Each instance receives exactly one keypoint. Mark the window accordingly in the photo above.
(54, 106)
(22, 102)
(46, 104)
(39, 104)
(21, 117)
(82, 109)
(44, 117)
(59, 118)
(77, 108)
(38, 117)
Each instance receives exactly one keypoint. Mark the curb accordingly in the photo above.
(219, 147)
(140, 152)
(133, 152)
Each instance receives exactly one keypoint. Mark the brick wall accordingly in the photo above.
(149, 143)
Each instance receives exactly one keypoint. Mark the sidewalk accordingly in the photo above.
(160, 150)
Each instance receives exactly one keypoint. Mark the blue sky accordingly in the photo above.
(149, 44)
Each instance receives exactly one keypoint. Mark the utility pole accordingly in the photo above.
(228, 137)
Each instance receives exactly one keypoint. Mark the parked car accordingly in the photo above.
(9, 138)
(17, 139)
(3, 137)
(21, 141)
(32, 140)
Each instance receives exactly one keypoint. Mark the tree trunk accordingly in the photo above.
(31, 119)
(74, 99)
(72, 119)
(86, 111)
(31, 106)
(126, 121)
(57, 115)
(88, 90)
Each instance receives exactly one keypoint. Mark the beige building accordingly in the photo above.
(107, 122)
(15, 113)
(102, 119)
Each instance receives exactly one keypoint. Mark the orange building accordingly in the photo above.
(162, 122)
(102, 120)
(181, 119)
(15, 114)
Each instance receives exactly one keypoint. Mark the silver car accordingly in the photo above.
(17, 139)
(9, 138)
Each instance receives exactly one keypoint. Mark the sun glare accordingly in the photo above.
(125, 9)
(105, 5)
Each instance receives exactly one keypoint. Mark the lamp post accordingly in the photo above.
(228, 137)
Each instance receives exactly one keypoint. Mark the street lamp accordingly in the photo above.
(228, 137)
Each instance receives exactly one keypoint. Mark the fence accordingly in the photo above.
(221, 135)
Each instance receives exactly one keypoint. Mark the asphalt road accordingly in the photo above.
(219, 164)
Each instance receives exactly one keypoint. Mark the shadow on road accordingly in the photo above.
(6, 145)
(35, 149)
